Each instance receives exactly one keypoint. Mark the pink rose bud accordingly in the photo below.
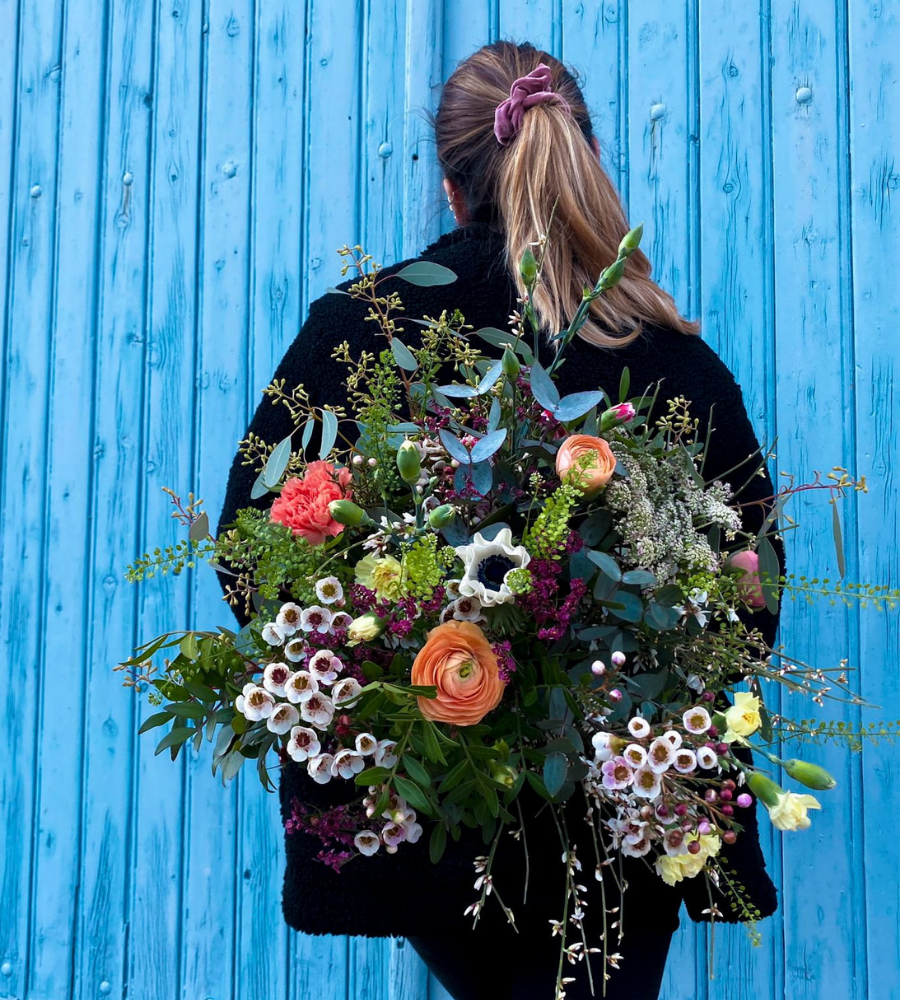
(749, 588)
(744, 800)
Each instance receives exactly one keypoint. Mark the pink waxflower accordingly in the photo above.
(617, 773)
(748, 585)
(303, 504)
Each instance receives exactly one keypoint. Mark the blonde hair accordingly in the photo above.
(549, 169)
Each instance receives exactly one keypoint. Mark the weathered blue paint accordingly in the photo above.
(174, 180)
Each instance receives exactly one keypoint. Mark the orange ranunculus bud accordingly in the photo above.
(458, 660)
(585, 462)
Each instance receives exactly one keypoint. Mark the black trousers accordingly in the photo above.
(501, 965)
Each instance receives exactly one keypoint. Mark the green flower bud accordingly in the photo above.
(810, 775)
(348, 513)
(441, 516)
(612, 274)
(409, 462)
(528, 267)
(766, 790)
(365, 628)
(616, 415)
(510, 364)
(503, 773)
(631, 241)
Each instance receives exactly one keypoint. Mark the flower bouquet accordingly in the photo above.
(501, 589)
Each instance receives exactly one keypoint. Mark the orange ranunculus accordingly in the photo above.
(303, 503)
(458, 660)
(585, 462)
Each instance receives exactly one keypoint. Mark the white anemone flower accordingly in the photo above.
(685, 760)
(300, 687)
(486, 565)
(602, 744)
(346, 691)
(384, 753)
(282, 719)
(341, 620)
(273, 634)
(319, 768)
(329, 590)
(366, 842)
(288, 618)
(303, 744)
(647, 784)
(696, 720)
(635, 754)
(638, 727)
(275, 677)
(325, 666)
(706, 758)
(254, 703)
(366, 744)
(317, 710)
(316, 619)
(347, 764)
(295, 650)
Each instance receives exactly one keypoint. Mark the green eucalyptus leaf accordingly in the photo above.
(426, 273)
(403, 356)
(329, 433)
(277, 462)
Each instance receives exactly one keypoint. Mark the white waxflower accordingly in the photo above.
(602, 744)
(685, 760)
(695, 683)
(637, 850)
(384, 753)
(346, 691)
(366, 744)
(452, 588)
(366, 842)
(635, 754)
(295, 650)
(647, 784)
(282, 719)
(275, 677)
(638, 727)
(341, 620)
(413, 832)
(300, 687)
(319, 768)
(347, 764)
(696, 720)
(317, 710)
(674, 737)
(465, 609)
(303, 744)
(254, 703)
(325, 666)
(393, 834)
(288, 618)
(273, 634)
(486, 565)
(316, 619)
(706, 757)
(329, 590)
(661, 755)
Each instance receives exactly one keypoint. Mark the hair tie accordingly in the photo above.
(525, 93)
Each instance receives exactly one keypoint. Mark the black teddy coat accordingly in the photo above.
(405, 894)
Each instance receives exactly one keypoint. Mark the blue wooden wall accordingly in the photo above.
(175, 176)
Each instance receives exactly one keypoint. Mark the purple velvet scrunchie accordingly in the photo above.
(525, 93)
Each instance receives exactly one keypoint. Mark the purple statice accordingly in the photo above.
(506, 663)
(335, 828)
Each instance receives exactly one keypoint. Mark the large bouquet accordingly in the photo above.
(479, 585)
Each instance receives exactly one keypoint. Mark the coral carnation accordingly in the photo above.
(303, 504)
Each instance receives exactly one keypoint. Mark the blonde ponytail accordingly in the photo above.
(547, 182)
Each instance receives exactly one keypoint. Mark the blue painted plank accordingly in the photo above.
(736, 269)
(24, 492)
(467, 26)
(874, 109)
(535, 21)
(815, 395)
(67, 492)
(102, 904)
